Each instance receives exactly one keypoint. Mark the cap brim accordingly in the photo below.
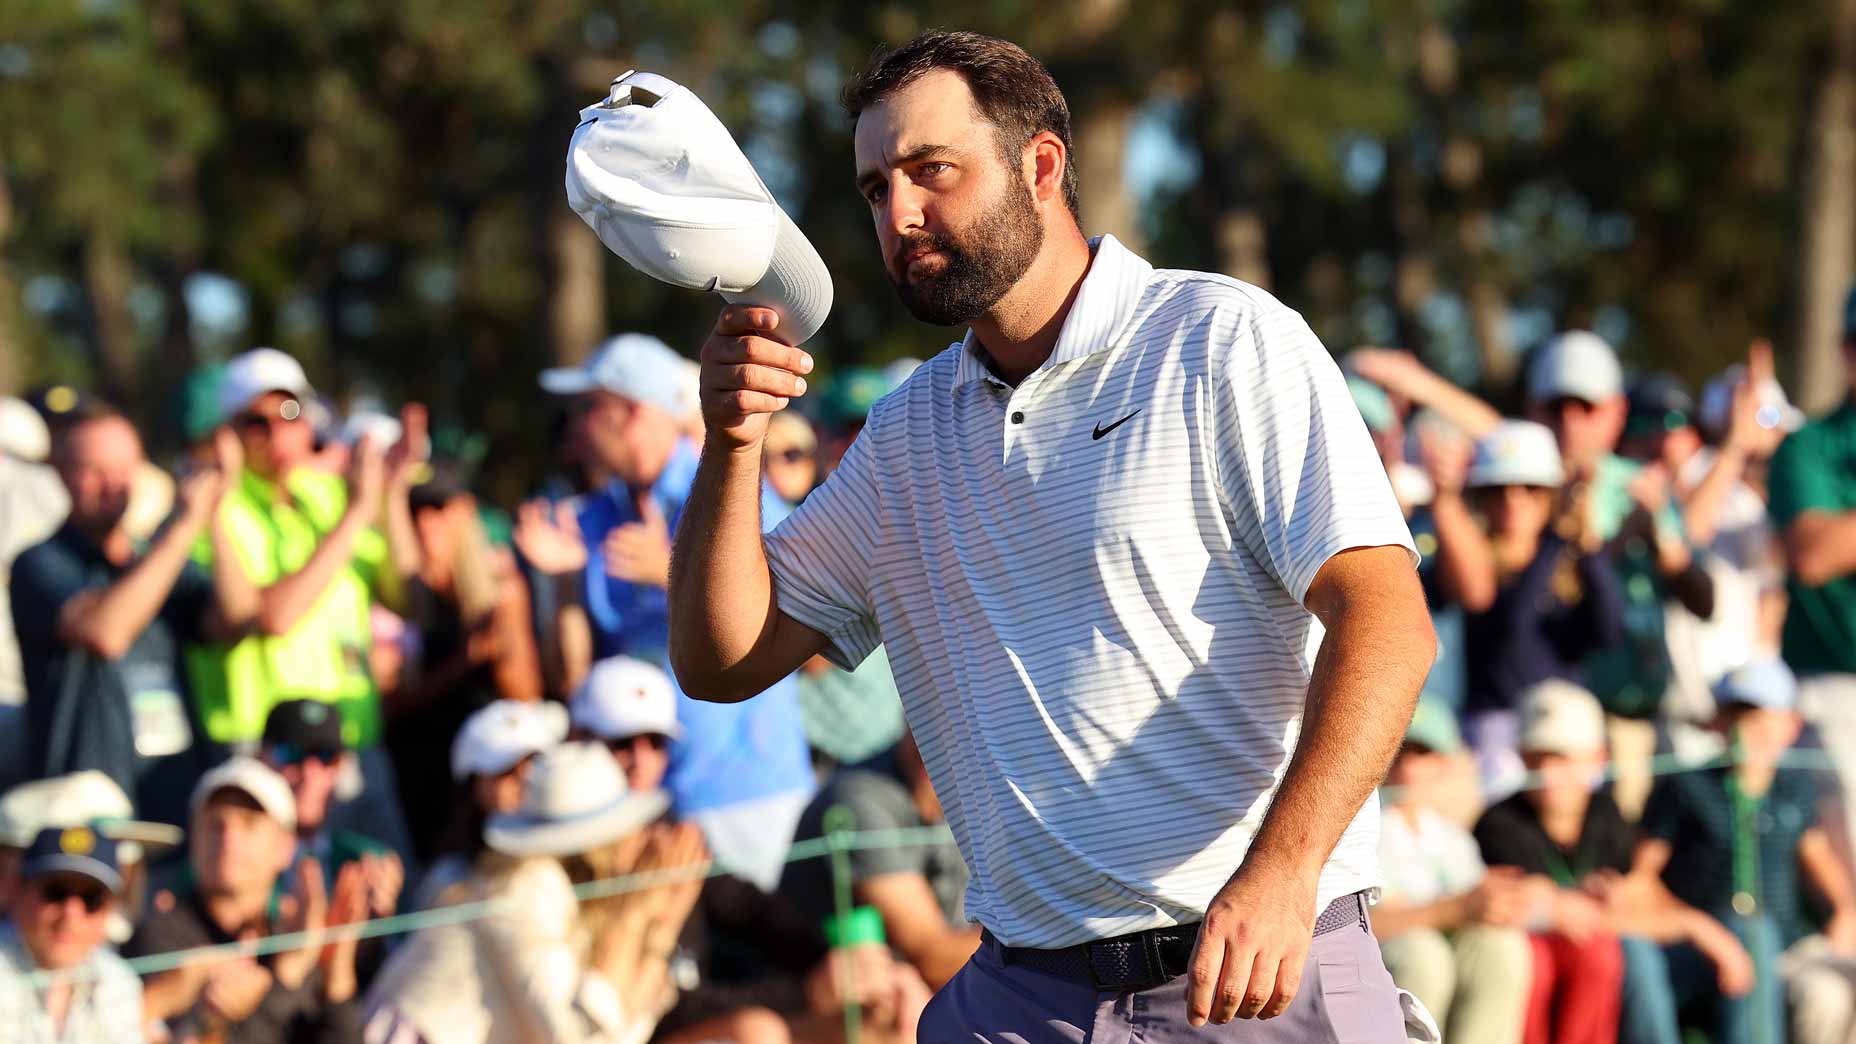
(520, 834)
(95, 869)
(567, 380)
(153, 837)
(797, 285)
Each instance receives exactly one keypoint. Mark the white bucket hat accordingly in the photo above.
(654, 172)
(576, 800)
(1517, 453)
(86, 798)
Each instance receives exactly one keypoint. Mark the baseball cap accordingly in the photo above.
(1767, 683)
(1717, 403)
(504, 732)
(1433, 727)
(255, 373)
(851, 392)
(1658, 404)
(1559, 717)
(251, 777)
(623, 697)
(298, 727)
(1516, 453)
(658, 177)
(788, 430)
(23, 434)
(84, 798)
(1577, 364)
(73, 850)
(632, 366)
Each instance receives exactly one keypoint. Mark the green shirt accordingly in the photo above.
(1630, 678)
(1815, 470)
(325, 655)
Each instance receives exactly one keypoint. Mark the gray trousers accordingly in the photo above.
(1346, 997)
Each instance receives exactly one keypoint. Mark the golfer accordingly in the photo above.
(1140, 575)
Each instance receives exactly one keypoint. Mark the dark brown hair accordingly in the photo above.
(1013, 91)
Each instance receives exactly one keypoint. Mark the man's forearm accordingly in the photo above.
(107, 622)
(1366, 678)
(1822, 546)
(283, 603)
(721, 593)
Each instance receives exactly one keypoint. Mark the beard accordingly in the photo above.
(982, 261)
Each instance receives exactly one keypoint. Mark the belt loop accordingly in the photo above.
(1360, 901)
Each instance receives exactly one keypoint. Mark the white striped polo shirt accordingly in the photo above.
(1090, 590)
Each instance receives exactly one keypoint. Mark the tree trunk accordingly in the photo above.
(1101, 140)
(12, 335)
(1243, 247)
(1828, 222)
(107, 275)
(576, 266)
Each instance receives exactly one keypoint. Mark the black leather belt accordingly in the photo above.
(1143, 960)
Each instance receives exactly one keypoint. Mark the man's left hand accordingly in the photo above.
(1255, 937)
(639, 552)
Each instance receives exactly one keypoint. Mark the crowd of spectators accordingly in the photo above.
(301, 677)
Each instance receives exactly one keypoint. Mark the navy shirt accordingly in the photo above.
(130, 717)
(1694, 814)
(1531, 634)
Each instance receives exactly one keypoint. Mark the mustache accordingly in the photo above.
(920, 242)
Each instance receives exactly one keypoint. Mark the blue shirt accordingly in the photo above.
(729, 753)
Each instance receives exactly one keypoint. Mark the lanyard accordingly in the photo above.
(1558, 869)
(1746, 841)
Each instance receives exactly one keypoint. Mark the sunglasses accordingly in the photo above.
(654, 740)
(57, 893)
(289, 411)
(792, 455)
(291, 754)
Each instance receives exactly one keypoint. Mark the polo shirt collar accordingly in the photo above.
(1103, 307)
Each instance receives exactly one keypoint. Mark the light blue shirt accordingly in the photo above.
(106, 999)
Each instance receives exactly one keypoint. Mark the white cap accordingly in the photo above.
(250, 776)
(633, 366)
(576, 800)
(1559, 717)
(659, 178)
(1578, 364)
(501, 734)
(256, 373)
(86, 798)
(23, 434)
(623, 697)
(1717, 402)
(1517, 453)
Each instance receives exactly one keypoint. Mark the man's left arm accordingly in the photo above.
(1825, 871)
(1377, 650)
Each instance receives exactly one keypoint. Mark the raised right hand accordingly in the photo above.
(748, 375)
(367, 475)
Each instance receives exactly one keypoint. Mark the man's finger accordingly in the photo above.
(1260, 990)
(732, 351)
(1207, 961)
(738, 319)
(1233, 983)
(736, 406)
(755, 377)
(1288, 984)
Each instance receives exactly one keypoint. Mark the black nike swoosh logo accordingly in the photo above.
(1101, 431)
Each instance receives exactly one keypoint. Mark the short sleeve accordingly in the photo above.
(1662, 812)
(44, 577)
(1801, 479)
(821, 555)
(878, 804)
(1296, 467)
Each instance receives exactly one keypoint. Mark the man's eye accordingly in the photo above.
(933, 168)
(875, 195)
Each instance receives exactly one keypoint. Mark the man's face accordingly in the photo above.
(644, 758)
(632, 441)
(1565, 780)
(957, 225)
(62, 918)
(1763, 732)
(501, 793)
(1586, 431)
(312, 778)
(98, 461)
(236, 847)
(276, 434)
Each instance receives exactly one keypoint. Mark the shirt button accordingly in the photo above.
(1018, 416)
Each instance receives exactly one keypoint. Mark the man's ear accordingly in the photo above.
(1046, 159)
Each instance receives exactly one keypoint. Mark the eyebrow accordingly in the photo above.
(914, 155)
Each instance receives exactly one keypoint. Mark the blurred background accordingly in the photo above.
(376, 187)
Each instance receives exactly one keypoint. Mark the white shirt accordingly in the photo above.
(1090, 590)
(1434, 859)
